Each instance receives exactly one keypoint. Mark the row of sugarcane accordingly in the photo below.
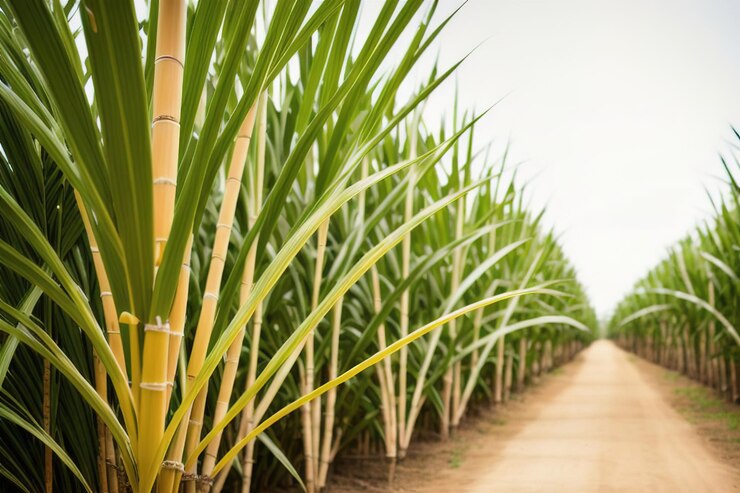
(501, 248)
(214, 214)
(685, 313)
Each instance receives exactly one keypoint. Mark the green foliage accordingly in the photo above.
(341, 145)
(685, 313)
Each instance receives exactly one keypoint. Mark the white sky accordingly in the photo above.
(619, 109)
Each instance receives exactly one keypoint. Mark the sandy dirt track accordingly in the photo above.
(603, 429)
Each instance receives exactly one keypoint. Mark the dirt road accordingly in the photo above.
(607, 430)
(603, 424)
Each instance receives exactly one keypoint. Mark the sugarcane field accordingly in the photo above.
(369, 246)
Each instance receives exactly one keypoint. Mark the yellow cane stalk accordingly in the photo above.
(521, 370)
(384, 411)
(498, 395)
(248, 415)
(385, 375)
(267, 398)
(507, 379)
(213, 282)
(106, 297)
(327, 449)
(510, 309)
(113, 331)
(230, 367)
(712, 363)
(232, 356)
(501, 344)
(153, 394)
(172, 467)
(408, 212)
(331, 396)
(457, 267)
(323, 234)
(166, 101)
(385, 372)
(403, 353)
(311, 412)
(177, 317)
(102, 389)
(477, 322)
(253, 415)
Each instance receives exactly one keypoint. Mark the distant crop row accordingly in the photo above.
(685, 313)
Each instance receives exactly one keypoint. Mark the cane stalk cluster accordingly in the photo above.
(217, 215)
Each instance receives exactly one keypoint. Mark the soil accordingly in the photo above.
(607, 422)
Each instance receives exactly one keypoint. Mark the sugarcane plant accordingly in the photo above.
(685, 313)
(214, 213)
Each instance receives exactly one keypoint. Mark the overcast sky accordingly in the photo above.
(619, 108)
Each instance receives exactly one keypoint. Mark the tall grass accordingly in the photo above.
(195, 246)
(685, 313)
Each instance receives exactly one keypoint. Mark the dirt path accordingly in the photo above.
(607, 431)
(602, 425)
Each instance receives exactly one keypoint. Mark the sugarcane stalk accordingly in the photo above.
(510, 309)
(172, 467)
(454, 370)
(113, 331)
(110, 462)
(213, 286)
(507, 379)
(311, 411)
(248, 413)
(151, 382)
(404, 328)
(686, 350)
(311, 376)
(735, 384)
(178, 317)
(218, 484)
(385, 371)
(384, 411)
(326, 448)
(498, 389)
(247, 418)
(272, 390)
(711, 359)
(331, 396)
(166, 102)
(521, 370)
(232, 356)
(110, 313)
(102, 390)
(385, 374)
(722, 375)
